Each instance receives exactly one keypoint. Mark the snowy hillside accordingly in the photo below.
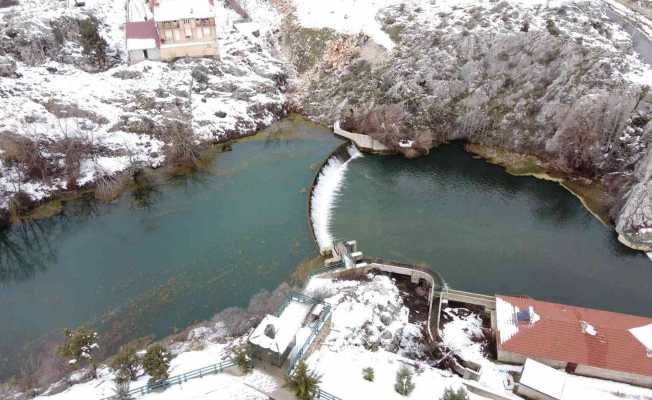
(369, 328)
(123, 116)
(564, 81)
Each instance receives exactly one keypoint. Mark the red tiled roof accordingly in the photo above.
(143, 30)
(558, 335)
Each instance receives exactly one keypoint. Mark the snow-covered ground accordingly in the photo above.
(125, 111)
(369, 328)
(227, 385)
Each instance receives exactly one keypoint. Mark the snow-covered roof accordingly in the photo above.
(644, 335)
(172, 10)
(138, 11)
(285, 326)
(543, 379)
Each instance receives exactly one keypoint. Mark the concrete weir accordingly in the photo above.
(324, 191)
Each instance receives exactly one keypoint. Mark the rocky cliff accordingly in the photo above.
(565, 81)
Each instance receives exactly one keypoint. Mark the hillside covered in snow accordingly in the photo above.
(563, 84)
(69, 119)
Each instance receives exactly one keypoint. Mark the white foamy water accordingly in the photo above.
(324, 196)
(649, 255)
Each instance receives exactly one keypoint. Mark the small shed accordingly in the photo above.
(541, 382)
(143, 42)
(275, 337)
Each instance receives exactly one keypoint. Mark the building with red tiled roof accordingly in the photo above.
(584, 341)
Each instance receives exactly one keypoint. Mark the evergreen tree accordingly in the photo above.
(404, 385)
(126, 364)
(242, 359)
(368, 374)
(450, 394)
(121, 390)
(304, 383)
(156, 362)
(79, 347)
(93, 44)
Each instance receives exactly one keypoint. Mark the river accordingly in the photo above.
(206, 242)
(489, 232)
(212, 239)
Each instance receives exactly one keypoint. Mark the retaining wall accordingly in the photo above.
(365, 143)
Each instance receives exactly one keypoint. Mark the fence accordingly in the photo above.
(177, 379)
(314, 331)
(321, 395)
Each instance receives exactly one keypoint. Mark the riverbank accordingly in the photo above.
(591, 194)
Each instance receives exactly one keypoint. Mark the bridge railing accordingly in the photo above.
(177, 379)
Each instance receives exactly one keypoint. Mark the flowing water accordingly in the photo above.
(489, 232)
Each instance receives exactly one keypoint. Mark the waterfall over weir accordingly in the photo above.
(325, 193)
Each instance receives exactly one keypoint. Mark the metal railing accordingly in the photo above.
(322, 395)
(314, 331)
(177, 379)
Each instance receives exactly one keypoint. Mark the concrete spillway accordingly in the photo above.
(325, 193)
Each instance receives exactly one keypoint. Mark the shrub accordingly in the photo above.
(368, 374)
(552, 28)
(404, 385)
(242, 358)
(304, 383)
(93, 44)
(79, 347)
(126, 364)
(450, 394)
(156, 362)
(121, 390)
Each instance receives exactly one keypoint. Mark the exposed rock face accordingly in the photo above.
(634, 222)
(558, 83)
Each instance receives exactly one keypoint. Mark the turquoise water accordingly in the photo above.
(489, 232)
(206, 242)
(213, 239)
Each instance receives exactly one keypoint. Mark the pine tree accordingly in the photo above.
(304, 383)
(126, 364)
(79, 347)
(450, 394)
(156, 363)
(93, 44)
(404, 385)
(121, 390)
(242, 359)
(368, 374)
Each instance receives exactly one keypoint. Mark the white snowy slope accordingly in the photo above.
(369, 328)
(125, 110)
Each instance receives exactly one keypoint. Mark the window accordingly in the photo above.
(188, 32)
(207, 31)
(177, 35)
(198, 33)
(187, 21)
(168, 35)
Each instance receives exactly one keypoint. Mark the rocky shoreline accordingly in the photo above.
(563, 84)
